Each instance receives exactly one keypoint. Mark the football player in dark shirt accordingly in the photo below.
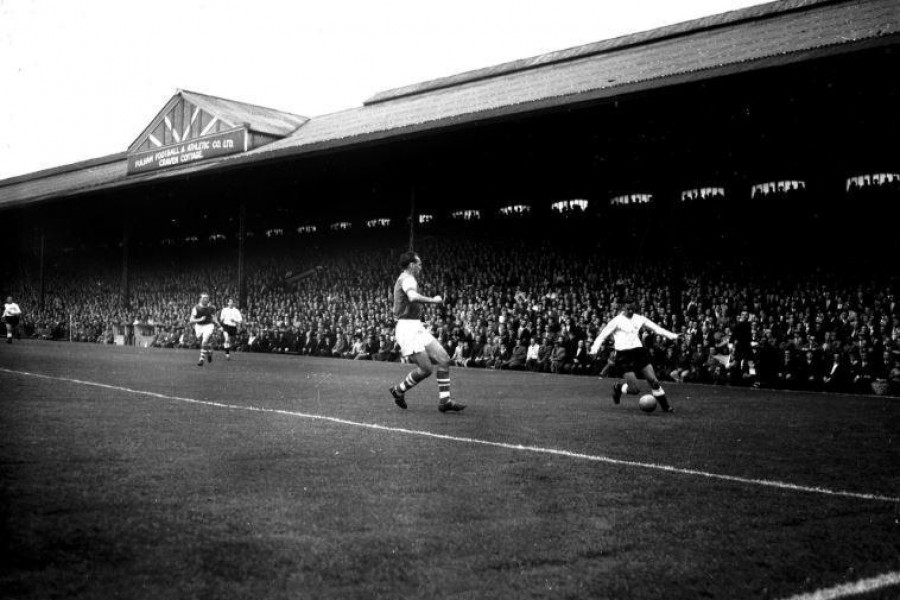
(416, 342)
(204, 320)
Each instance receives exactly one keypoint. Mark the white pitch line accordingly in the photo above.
(863, 586)
(536, 449)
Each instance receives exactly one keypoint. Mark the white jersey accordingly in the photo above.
(231, 317)
(627, 332)
(11, 309)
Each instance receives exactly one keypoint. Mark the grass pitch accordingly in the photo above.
(133, 473)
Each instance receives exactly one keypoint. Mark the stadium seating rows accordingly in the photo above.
(504, 294)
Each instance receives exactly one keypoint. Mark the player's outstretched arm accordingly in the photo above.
(601, 337)
(660, 330)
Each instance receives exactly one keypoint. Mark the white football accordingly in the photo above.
(647, 403)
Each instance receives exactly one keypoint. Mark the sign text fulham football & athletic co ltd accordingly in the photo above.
(192, 150)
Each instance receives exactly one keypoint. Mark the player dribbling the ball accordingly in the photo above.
(631, 356)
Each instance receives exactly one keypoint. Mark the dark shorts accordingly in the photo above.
(230, 329)
(12, 320)
(633, 360)
(742, 352)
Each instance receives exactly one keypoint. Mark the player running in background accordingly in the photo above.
(203, 318)
(230, 318)
(631, 356)
(11, 314)
(415, 341)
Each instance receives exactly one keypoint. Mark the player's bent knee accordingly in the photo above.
(425, 369)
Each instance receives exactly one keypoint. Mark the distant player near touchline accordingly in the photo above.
(11, 314)
(230, 318)
(631, 356)
(415, 341)
(203, 318)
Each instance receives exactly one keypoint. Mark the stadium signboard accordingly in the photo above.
(189, 151)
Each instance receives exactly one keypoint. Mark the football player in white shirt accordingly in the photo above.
(230, 318)
(11, 314)
(631, 356)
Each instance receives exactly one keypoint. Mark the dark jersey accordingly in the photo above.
(204, 313)
(404, 308)
(743, 334)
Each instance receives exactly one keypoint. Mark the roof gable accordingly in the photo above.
(257, 119)
(189, 115)
(194, 127)
(179, 121)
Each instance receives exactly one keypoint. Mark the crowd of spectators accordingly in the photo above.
(511, 302)
(876, 183)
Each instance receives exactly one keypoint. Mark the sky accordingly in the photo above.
(81, 79)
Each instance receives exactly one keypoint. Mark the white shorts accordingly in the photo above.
(412, 336)
(203, 331)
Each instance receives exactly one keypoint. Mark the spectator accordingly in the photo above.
(518, 357)
(861, 375)
(322, 347)
(581, 360)
(382, 348)
(811, 370)
(558, 356)
(545, 353)
(340, 347)
(462, 355)
(504, 354)
(488, 354)
(837, 377)
(714, 370)
(360, 350)
(532, 356)
(893, 378)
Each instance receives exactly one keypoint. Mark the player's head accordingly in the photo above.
(231, 303)
(204, 299)
(410, 261)
(628, 306)
(9, 299)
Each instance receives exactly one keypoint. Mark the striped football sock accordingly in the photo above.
(407, 383)
(443, 381)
